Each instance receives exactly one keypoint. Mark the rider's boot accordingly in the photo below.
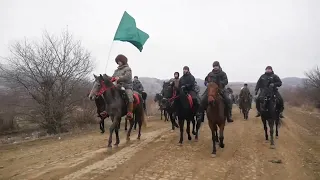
(229, 116)
(258, 114)
(129, 111)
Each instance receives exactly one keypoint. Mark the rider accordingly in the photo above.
(245, 92)
(175, 80)
(137, 85)
(123, 76)
(271, 79)
(187, 82)
(230, 91)
(220, 77)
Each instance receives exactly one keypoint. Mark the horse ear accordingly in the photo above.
(95, 76)
(101, 76)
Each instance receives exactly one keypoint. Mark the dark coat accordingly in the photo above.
(219, 77)
(137, 86)
(266, 79)
(188, 81)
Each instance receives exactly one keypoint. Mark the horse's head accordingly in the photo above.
(167, 89)
(101, 85)
(213, 92)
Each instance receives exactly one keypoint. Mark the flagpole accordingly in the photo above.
(108, 56)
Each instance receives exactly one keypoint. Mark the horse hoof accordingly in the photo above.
(109, 146)
(138, 138)
(128, 139)
(189, 138)
(179, 144)
(272, 146)
(196, 139)
(266, 141)
(116, 145)
(277, 137)
(222, 145)
(194, 133)
(102, 132)
(213, 155)
(134, 130)
(172, 130)
(125, 129)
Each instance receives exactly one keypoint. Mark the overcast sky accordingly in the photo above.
(244, 35)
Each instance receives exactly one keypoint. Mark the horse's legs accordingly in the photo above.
(271, 126)
(125, 124)
(117, 134)
(130, 128)
(217, 135)
(181, 125)
(161, 114)
(213, 128)
(277, 125)
(197, 129)
(221, 136)
(111, 129)
(193, 126)
(188, 129)
(101, 124)
(265, 128)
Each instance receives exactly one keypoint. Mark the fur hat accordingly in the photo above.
(216, 63)
(122, 59)
(269, 67)
(135, 77)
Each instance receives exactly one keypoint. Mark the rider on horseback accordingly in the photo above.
(220, 77)
(245, 92)
(175, 81)
(123, 76)
(137, 85)
(271, 79)
(187, 83)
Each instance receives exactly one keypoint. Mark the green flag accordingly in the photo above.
(128, 32)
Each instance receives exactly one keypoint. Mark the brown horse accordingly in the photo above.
(215, 115)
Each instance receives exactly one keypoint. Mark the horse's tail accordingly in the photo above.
(143, 118)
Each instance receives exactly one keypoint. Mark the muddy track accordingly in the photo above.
(158, 156)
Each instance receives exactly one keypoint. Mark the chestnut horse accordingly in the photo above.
(215, 115)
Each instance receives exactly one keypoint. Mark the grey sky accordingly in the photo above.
(244, 35)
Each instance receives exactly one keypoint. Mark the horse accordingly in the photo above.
(167, 103)
(215, 115)
(183, 106)
(270, 113)
(115, 100)
(245, 104)
(158, 98)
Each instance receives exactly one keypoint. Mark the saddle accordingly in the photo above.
(136, 99)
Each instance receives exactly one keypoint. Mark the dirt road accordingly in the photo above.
(157, 155)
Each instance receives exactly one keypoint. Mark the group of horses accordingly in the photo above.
(177, 105)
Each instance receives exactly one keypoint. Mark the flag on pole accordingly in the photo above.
(128, 32)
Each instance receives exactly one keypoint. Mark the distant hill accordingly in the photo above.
(154, 85)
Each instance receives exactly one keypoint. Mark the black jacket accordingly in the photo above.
(188, 81)
(266, 79)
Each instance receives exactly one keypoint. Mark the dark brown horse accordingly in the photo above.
(215, 115)
(116, 105)
(245, 103)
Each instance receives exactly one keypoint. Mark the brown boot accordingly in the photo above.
(129, 111)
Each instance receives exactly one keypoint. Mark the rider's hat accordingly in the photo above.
(186, 68)
(216, 63)
(122, 59)
(269, 67)
(135, 77)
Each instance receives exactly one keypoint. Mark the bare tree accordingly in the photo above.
(313, 84)
(51, 72)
